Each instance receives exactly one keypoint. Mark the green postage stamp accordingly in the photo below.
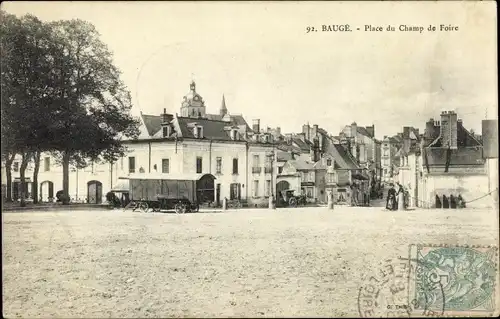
(454, 280)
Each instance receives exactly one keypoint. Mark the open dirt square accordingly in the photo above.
(287, 262)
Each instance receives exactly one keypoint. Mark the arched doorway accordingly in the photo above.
(94, 192)
(281, 186)
(205, 189)
(46, 191)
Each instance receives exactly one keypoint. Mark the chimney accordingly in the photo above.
(306, 130)
(429, 129)
(314, 131)
(448, 129)
(354, 130)
(278, 130)
(165, 117)
(256, 126)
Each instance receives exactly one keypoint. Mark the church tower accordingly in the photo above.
(223, 108)
(193, 104)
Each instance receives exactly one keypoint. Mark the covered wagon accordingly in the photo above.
(180, 192)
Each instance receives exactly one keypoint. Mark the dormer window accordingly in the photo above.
(198, 131)
(166, 130)
(234, 135)
(328, 162)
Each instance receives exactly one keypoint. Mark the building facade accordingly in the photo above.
(223, 145)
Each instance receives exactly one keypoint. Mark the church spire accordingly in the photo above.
(223, 108)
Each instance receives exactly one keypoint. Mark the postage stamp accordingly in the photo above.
(434, 281)
(453, 280)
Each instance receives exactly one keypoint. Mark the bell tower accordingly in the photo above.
(192, 103)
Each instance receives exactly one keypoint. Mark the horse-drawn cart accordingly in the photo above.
(161, 192)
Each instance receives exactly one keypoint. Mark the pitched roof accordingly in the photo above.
(436, 156)
(211, 129)
(283, 156)
(152, 122)
(464, 138)
(362, 130)
(288, 148)
(303, 145)
(343, 157)
(301, 165)
(235, 119)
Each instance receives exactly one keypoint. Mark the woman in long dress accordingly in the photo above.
(391, 198)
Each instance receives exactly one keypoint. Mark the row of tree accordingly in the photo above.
(60, 93)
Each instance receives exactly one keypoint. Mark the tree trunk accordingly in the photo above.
(65, 163)
(22, 175)
(34, 189)
(8, 175)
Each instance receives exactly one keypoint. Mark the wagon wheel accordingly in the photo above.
(292, 202)
(180, 208)
(196, 207)
(133, 205)
(143, 206)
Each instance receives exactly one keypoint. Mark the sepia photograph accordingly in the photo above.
(260, 159)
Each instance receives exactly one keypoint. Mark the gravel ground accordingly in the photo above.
(254, 263)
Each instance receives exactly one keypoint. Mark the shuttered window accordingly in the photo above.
(165, 166)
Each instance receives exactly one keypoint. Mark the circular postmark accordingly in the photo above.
(393, 290)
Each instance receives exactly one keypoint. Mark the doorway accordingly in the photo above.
(94, 192)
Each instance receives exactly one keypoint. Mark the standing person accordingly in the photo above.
(398, 192)
(391, 197)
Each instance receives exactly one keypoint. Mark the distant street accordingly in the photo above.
(254, 263)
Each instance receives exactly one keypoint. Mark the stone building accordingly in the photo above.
(222, 145)
(365, 148)
(451, 165)
(390, 162)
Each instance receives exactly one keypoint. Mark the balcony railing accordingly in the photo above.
(268, 169)
(256, 170)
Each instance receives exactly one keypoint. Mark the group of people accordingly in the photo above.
(393, 197)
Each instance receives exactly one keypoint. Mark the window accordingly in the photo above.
(199, 165)
(385, 171)
(268, 188)
(330, 178)
(131, 164)
(166, 131)
(165, 166)
(256, 161)
(256, 188)
(386, 152)
(15, 166)
(198, 131)
(280, 169)
(235, 166)
(46, 164)
(218, 165)
(328, 162)
(234, 135)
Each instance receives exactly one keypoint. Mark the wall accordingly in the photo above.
(469, 186)
(263, 197)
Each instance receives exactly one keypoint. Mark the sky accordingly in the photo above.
(261, 58)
